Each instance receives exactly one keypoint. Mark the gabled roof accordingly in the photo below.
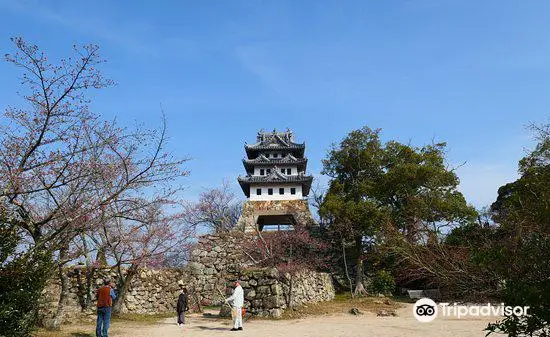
(279, 141)
(271, 145)
(296, 149)
(262, 160)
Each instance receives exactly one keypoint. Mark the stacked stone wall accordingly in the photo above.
(215, 261)
(149, 292)
(298, 209)
(268, 293)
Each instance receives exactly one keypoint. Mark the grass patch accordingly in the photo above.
(341, 304)
(76, 333)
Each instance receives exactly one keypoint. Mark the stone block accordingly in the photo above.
(266, 281)
(276, 289)
(250, 295)
(276, 313)
(271, 302)
(263, 289)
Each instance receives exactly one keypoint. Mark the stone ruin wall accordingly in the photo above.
(150, 292)
(267, 293)
(212, 260)
(215, 260)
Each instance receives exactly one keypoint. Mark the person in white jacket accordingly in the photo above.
(237, 302)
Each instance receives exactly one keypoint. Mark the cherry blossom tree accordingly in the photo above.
(62, 166)
(141, 233)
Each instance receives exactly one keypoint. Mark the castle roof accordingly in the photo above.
(276, 177)
(262, 160)
(275, 141)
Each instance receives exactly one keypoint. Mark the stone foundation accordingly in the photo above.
(298, 210)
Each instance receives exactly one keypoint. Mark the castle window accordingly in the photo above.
(275, 155)
(292, 190)
(268, 171)
(258, 191)
(281, 190)
(262, 172)
(270, 191)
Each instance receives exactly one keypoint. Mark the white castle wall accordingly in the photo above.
(276, 195)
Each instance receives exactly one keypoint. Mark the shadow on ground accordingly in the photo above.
(202, 327)
(81, 334)
(212, 316)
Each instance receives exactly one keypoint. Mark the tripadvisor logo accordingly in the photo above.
(425, 310)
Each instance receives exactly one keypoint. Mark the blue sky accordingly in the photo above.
(471, 73)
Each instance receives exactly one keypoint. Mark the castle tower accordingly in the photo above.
(275, 184)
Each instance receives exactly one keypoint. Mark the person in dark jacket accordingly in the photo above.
(182, 306)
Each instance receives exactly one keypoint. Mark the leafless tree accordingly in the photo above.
(217, 209)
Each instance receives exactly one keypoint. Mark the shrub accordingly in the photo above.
(383, 283)
(22, 278)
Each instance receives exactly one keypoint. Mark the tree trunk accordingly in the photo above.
(122, 289)
(359, 274)
(290, 289)
(196, 298)
(85, 288)
(84, 283)
(64, 293)
(90, 273)
(81, 290)
(346, 268)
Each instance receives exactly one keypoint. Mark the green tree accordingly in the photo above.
(523, 206)
(397, 189)
(521, 254)
(22, 278)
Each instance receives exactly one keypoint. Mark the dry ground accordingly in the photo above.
(313, 321)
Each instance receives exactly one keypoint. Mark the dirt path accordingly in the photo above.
(330, 326)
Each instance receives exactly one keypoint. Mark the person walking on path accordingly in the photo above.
(182, 306)
(237, 302)
(105, 297)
